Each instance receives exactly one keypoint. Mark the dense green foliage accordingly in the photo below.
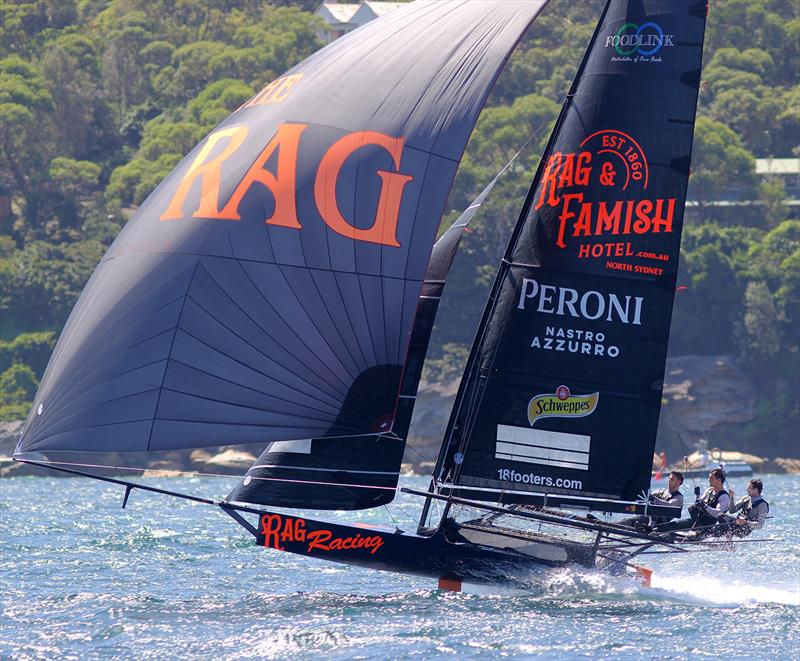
(99, 99)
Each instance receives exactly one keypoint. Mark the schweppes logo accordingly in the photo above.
(561, 404)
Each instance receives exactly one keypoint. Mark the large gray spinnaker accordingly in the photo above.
(266, 290)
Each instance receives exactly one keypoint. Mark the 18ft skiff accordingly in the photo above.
(280, 285)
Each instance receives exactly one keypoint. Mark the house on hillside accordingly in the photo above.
(736, 200)
(342, 17)
(787, 170)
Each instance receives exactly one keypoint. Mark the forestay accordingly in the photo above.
(267, 289)
(561, 400)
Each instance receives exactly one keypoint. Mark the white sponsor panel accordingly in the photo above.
(540, 446)
(302, 446)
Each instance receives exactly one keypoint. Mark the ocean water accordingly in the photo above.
(168, 579)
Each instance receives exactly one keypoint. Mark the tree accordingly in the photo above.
(45, 281)
(772, 194)
(719, 158)
(759, 339)
(83, 121)
(17, 388)
(27, 139)
(774, 260)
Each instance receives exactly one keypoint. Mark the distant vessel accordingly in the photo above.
(699, 464)
(280, 287)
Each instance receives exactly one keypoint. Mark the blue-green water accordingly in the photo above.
(167, 579)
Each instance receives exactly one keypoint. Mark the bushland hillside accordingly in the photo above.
(100, 99)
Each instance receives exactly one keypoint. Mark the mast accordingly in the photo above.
(469, 376)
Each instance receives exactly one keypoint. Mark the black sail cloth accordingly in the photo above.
(562, 400)
(358, 472)
(266, 290)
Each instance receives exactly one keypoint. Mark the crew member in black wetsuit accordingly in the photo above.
(671, 496)
(708, 509)
(752, 509)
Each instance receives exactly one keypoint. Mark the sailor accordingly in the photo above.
(708, 509)
(752, 509)
(671, 496)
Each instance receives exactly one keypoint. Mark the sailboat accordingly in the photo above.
(280, 285)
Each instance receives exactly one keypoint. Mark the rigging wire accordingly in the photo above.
(389, 512)
(204, 474)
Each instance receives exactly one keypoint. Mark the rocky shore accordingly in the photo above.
(701, 393)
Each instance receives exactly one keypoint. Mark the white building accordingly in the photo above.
(341, 17)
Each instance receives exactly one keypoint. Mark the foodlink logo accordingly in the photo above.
(561, 404)
(646, 39)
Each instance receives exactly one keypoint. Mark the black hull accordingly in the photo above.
(442, 555)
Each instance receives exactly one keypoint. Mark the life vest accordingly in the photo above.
(749, 506)
(666, 494)
(711, 499)
(714, 499)
(743, 531)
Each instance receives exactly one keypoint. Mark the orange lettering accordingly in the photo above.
(318, 539)
(384, 228)
(583, 226)
(281, 185)
(642, 223)
(209, 174)
(566, 214)
(582, 169)
(270, 527)
(608, 221)
(299, 530)
(567, 173)
(549, 181)
(664, 224)
(275, 92)
(288, 531)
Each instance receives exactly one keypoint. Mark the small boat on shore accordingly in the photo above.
(699, 464)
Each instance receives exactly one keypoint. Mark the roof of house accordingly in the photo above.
(338, 12)
(778, 166)
(370, 10)
(381, 8)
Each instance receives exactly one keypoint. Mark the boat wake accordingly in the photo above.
(576, 582)
(693, 588)
(721, 592)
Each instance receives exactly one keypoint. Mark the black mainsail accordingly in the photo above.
(267, 289)
(561, 399)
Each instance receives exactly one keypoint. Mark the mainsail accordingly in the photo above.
(267, 289)
(561, 399)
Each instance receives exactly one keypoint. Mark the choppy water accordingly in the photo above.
(164, 579)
